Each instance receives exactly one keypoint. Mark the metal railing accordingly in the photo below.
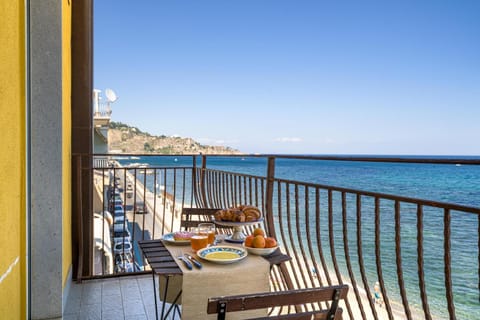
(414, 249)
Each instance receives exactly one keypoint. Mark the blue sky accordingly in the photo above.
(296, 76)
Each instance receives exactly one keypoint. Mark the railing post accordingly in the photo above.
(269, 196)
(194, 181)
(269, 218)
(203, 192)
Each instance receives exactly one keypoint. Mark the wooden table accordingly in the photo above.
(249, 275)
(192, 288)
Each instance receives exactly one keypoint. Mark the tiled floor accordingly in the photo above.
(114, 298)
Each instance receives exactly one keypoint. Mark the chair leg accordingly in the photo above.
(334, 306)
(222, 310)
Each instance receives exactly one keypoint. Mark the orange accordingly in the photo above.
(258, 241)
(270, 242)
(249, 241)
(258, 232)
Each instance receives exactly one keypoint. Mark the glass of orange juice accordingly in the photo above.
(209, 229)
(199, 240)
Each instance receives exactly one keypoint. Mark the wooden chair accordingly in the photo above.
(222, 305)
(191, 217)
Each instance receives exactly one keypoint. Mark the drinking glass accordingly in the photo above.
(209, 229)
(199, 240)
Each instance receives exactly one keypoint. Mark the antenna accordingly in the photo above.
(111, 95)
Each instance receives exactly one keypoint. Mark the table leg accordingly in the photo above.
(155, 295)
(165, 296)
(173, 306)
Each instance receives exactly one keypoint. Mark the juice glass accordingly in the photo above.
(209, 230)
(199, 240)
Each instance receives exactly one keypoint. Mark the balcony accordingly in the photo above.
(421, 254)
(112, 298)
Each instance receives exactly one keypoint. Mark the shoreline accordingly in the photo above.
(396, 306)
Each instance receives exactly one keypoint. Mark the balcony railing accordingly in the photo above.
(422, 254)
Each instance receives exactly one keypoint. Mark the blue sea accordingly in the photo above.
(459, 184)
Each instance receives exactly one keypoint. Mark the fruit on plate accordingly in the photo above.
(270, 242)
(182, 235)
(258, 232)
(258, 240)
(249, 241)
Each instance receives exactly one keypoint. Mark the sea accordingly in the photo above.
(452, 183)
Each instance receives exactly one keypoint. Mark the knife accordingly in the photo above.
(194, 261)
(186, 263)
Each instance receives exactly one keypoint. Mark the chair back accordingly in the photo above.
(191, 217)
(222, 305)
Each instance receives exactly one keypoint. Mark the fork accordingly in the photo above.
(180, 257)
(193, 260)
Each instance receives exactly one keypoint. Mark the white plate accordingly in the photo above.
(260, 251)
(168, 237)
(209, 254)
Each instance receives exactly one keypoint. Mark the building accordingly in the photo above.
(101, 121)
(38, 120)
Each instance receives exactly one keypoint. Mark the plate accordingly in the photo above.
(260, 251)
(168, 237)
(230, 254)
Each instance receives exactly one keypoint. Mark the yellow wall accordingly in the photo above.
(12, 161)
(66, 137)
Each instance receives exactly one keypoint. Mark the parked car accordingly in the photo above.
(124, 246)
(118, 216)
(121, 232)
(118, 212)
(113, 203)
(124, 262)
(128, 267)
(118, 207)
(119, 223)
(123, 257)
(140, 207)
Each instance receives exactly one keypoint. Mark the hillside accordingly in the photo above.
(126, 139)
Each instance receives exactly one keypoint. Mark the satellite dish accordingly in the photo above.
(111, 95)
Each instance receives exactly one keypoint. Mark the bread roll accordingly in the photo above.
(241, 213)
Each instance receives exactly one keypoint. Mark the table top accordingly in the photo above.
(163, 263)
(159, 258)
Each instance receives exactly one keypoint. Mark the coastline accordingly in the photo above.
(321, 280)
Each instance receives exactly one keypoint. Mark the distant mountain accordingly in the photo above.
(126, 139)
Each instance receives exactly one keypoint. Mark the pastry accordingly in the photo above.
(241, 213)
(182, 235)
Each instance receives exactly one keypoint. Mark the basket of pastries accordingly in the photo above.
(241, 213)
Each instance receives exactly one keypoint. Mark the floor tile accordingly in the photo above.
(112, 299)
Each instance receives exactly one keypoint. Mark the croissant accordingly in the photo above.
(241, 213)
(218, 215)
(239, 216)
(251, 213)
